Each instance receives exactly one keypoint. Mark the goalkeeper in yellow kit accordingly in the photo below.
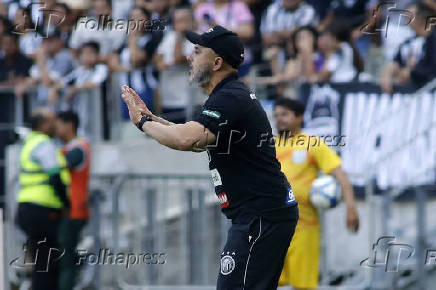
(302, 157)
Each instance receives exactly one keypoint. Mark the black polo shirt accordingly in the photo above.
(243, 164)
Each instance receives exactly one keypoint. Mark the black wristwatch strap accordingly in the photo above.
(142, 121)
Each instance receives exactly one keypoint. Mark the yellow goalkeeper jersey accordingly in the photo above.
(301, 157)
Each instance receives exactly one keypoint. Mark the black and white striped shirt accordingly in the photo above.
(412, 47)
(277, 18)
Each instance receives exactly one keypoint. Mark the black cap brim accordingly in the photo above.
(193, 37)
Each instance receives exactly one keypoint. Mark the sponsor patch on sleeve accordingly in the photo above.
(213, 114)
(290, 198)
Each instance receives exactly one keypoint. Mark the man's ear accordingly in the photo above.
(218, 63)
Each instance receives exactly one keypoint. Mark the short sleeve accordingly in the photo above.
(266, 23)
(308, 16)
(218, 113)
(333, 62)
(46, 155)
(326, 159)
(100, 74)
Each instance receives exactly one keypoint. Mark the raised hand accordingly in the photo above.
(137, 100)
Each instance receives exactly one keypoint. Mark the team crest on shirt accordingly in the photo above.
(227, 264)
(299, 156)
(209, 30)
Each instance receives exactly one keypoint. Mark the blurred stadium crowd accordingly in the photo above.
(49, 46)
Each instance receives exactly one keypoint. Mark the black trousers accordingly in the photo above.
(40, 224)
(69, 234)
(254, 254)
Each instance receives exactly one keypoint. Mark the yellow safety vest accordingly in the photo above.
(34, 182)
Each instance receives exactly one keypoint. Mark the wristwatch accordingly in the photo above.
(142, 121)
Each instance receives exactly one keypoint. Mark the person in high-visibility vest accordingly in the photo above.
(77, 152)
(42, 198)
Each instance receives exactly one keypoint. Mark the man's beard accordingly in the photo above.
(202, 76)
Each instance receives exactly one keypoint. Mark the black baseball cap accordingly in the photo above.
(224, 42)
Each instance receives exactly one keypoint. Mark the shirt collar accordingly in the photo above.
(225, 80)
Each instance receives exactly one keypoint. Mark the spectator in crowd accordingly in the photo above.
(283, 17)
(406, 57)
(341, 60)
(171, 60)
(257, 8)
(77, 154)
(90, 74)
(161, 11)
(134, 57)
(66, 26)
(147, 5)
(30, 34)
(303, 59)
(233, 15)
(356, 13)
(425, 68)
(44, 182)
(53, 62)
(98, 27)
(14, 66)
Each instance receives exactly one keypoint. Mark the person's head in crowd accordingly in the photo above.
(142, 18)
(53, 42)
(23, 20)
(160, 7)
(422, 23)
(89, 54)
(67, 123)
(183, 19)
(64, 10)
(102, 7)
(217, 54)
(331, 39)
(304, 36)
(291, 4)
(43, 121)
(9, 45)
(288, 114)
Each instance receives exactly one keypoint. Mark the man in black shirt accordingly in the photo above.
(14, 66)
(236, 133)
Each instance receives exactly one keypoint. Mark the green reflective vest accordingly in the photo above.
(34, 182)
